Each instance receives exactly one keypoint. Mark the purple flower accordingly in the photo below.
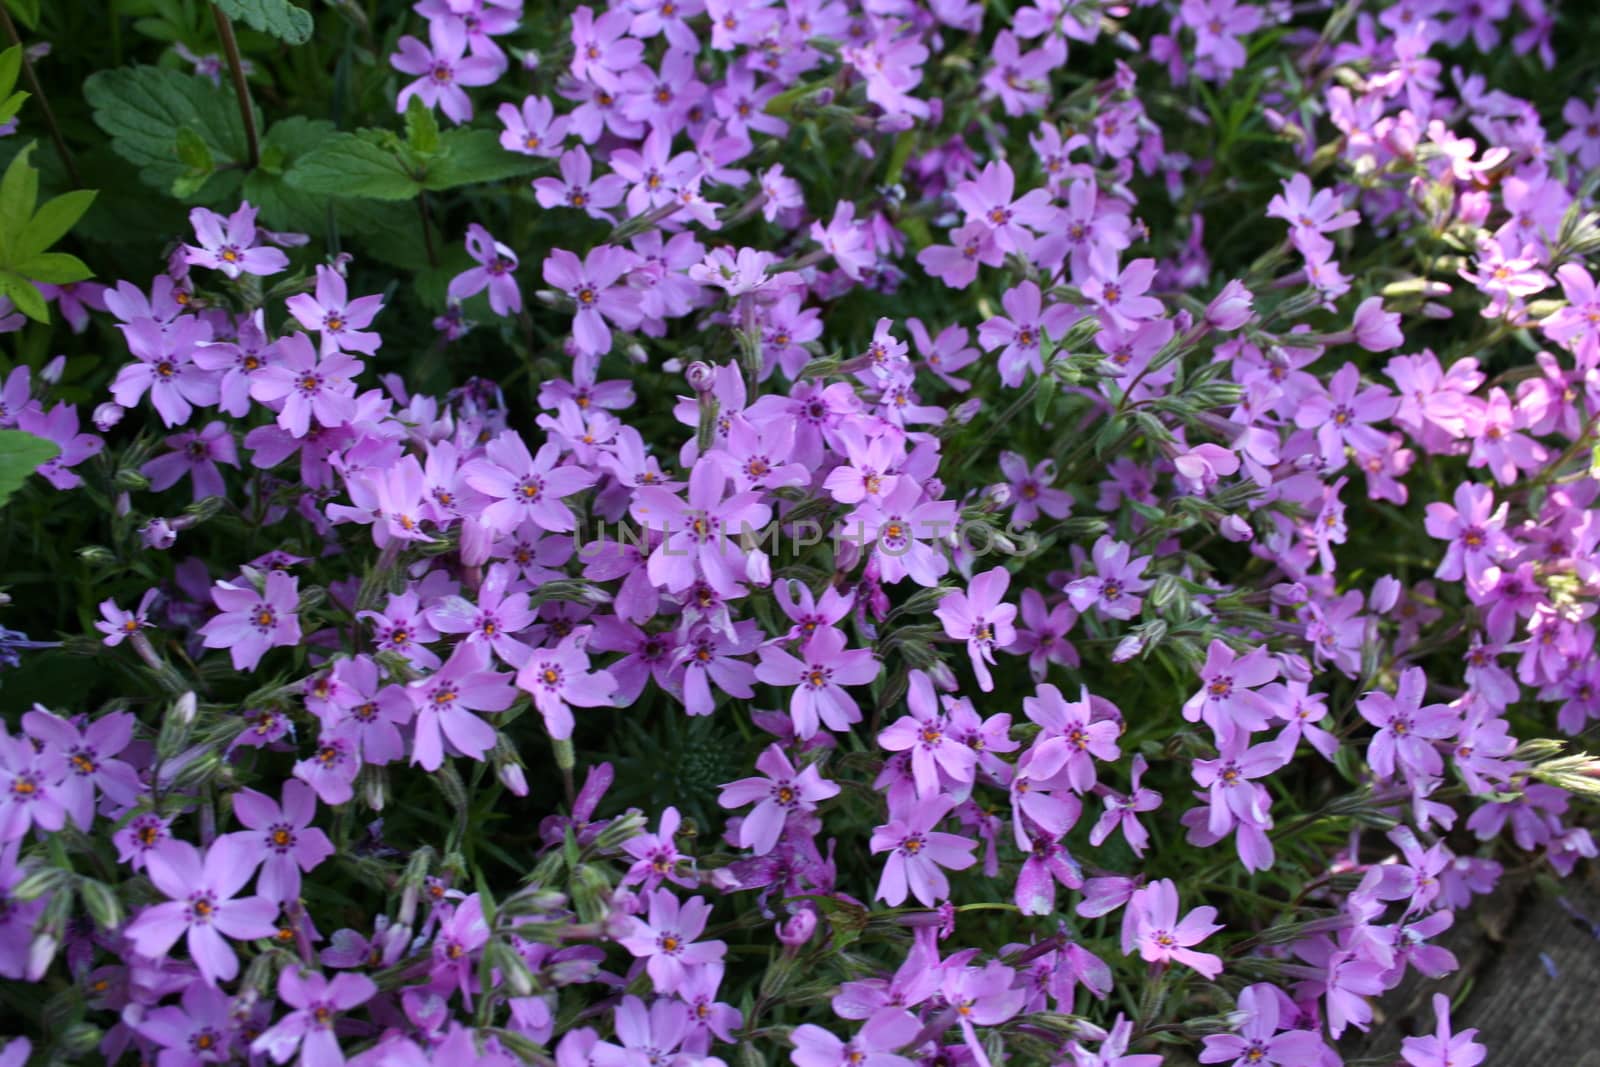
(777, 796)
(298, 384)
(251, 622)
(1123, 811)
(1226, 699)
(979, 618)
(600, 51)
(597, 299)
(1117, 581)
(340, 320)
(525, 488)
(60, 425)
(196, 454)
(1083, 739)
(935, 753)
(918, 854)
(166, 367)
(666, 941)
(442, 69)
(229, 244)
(1162, 938)
(578, 188)
(31, 796)
(445, 702)
(310, 1027)
(1476, 532)
(204, 905)
(200, 1029)
(119, 625)
(700, 535)
(819, 679)
(1119, 296)
(989, 202)
(1258, 1040)
(496, 266)
(1023, 333)
(281, 838)
(560, 676)
(1407, 730)
(1343, 416)
(87, 755)
(1443, 1048)
(534, 129)
(873, 1046)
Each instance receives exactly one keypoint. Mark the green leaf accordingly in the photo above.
(10, 67)
(27, 12)
(193, 152)
(11, 105)
(422, 129)
(20, 453)
(19, 191)
(29, 301)
(54, 268)
(143, 108)
(348, 164)
(473, 156)
(280, 18)
(52, 221)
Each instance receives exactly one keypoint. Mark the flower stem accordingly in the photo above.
(241, 89)
(44, 102)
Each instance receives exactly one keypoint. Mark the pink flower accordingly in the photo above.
(819, 679)
(229, 244)
(282, 838)
(524, 487)
(203, 904)
(445, 703)
(534, 129)
(442, 68)
(1117, 581)
(578, 188)
(251, 622)
(1162, 938)
(1443, 1048)
(118, 625)
(317, 1004)
(979, 618)
(1476, 532)
(299, 385)
(340, 320)
(1023, 333)
(666, 941)
(559, 679)
(597, 298)
(166, 367)
(1226, 699)
(917, 854)
(1407, 730)
(496, 266)
(197, 455)
(1119, 296)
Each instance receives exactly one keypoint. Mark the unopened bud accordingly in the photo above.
(107, 415)
(101, 903)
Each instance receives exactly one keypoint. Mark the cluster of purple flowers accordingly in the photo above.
(435, 576)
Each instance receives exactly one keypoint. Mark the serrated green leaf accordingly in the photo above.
(348, 164)
(473, 156)
(193, 152)
(143, 108)
(10, 67)
(280, 18)
(20, 454)
(52, 221)
(54, 268)
(422, 129)
(29, 300)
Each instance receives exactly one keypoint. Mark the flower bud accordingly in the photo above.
(107, 415)
(97, 555)
(50, 374)
(158, 534)
(797, 929)
(1231, 308)
(700, 376)
(130, 480)
(1236, 529)
(1385, 593)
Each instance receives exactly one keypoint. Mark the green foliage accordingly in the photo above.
(26, 234)
(10, 66)
(20, 453)
(159, 120)
(379, 165)
(280, 18)
(26, 11)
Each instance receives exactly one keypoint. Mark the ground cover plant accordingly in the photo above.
(738, 532)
